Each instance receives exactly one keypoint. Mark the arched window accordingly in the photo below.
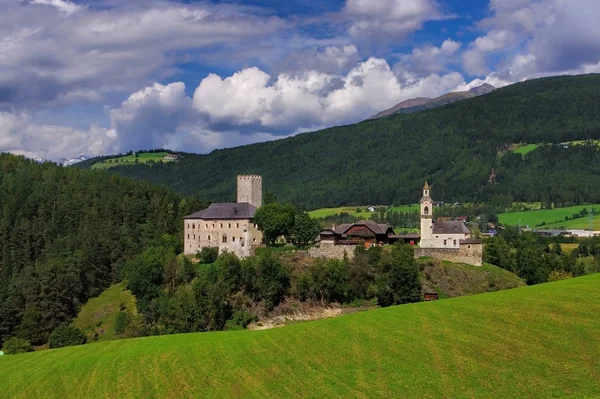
(426, 210)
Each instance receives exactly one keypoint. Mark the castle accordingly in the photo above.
(227, 226)
(446, 240)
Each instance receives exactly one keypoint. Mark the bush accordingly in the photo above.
(14, 346)
(208, 255)
(121, 322)
(66, 335)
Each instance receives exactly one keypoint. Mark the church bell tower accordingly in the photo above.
(426, 216)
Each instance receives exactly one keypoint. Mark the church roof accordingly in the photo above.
(450, 227)
(225, 210)
(426, 186)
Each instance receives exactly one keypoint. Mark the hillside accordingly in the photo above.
(65, 234)
(533, 342)
(385, 161)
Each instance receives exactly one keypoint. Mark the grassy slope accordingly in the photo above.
(549, 216)
(453, 279)
(143, 157)
(323, 212)
(98, 314)
(534, 342)
(527, 148)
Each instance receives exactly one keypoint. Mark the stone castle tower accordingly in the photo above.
(426, 216)
(249, 189)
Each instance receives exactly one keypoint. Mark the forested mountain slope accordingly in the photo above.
(455, 147)
(64, 232)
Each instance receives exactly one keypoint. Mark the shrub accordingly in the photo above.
(13, 346)
(208, 255)
(121, 322)
(66, 335)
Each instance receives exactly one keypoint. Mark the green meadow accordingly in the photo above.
(526, 148)
(143, 157)
(96, 319)
(364, 214)
(533, 342)
(552, 217)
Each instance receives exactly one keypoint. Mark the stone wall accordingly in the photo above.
(471, 254)
(331, 251)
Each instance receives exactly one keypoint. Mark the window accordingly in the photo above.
(242, 240)
(224, 238)
(445, 242)
(426, 210)
(206, 225)
(194, 236)
(469, 246)
(188, 225)
(188, 236)
(254, 240)
(221, 225)
(454, 242)
(209, 237)
(213, 225)
(237, 225)
(255, 226)
(232, 239)
(229, 225)
(193, 225)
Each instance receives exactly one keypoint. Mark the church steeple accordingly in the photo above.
(426, 215)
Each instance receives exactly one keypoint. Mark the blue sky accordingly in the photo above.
(105, 76)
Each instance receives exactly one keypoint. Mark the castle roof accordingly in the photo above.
(225, 210)
(450, 227)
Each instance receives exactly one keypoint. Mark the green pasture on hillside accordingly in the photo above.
(532, 342)
(363, 214)
(527, 148)
(143, 157)
(550, 216)
(97, 317)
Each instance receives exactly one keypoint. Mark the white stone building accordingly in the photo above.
(227, 226)
(446, 240)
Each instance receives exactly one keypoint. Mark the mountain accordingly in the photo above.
(413, 102)
(422, 103)
(386, 160)
(72, 161)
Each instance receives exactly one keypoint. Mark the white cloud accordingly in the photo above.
(389, 20)
(18, 135)
(429, 59)
(53, 52)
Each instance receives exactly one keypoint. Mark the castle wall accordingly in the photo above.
(242, 235)
(471, 254)
(331, 251)
(249, 189)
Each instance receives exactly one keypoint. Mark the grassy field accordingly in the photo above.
(524, 149)
(143, 157)
(363, 214)
(533, 218)
(97, 316)
(531, 342)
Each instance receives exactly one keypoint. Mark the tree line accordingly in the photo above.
(65, 233)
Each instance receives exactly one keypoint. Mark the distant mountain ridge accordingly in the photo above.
(423, 103)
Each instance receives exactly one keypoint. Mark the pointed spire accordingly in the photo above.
(426, 186)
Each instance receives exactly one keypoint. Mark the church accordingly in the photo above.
(446, 240)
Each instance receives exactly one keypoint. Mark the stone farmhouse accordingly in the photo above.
(227, 226)
(446, 240)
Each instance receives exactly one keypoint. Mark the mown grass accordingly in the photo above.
(143, 157)
(525, 149)
(531, 342)
(363, 214)
(96, 319)
(552, 217)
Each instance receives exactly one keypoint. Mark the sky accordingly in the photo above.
(107, 76)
